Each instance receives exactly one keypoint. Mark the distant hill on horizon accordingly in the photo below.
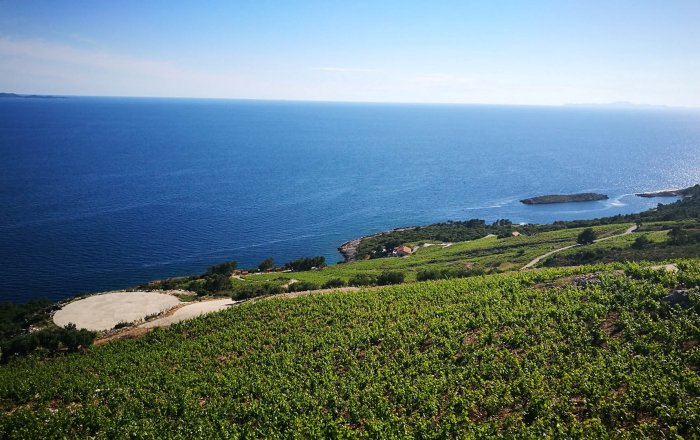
(16, 95)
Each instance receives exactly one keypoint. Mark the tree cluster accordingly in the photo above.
(50, 341)
(306, 263)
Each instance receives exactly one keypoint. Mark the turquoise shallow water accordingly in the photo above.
(104, 193)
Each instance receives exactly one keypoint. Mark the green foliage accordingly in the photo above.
(444, 274)
(390, 277)
(47, 340)
(587, 236)
(679, 236)
(641, 242)
(362, 279)
(15, 319)
(334, 283)
(225, 269)
(302, 286)
(381, 245)
(254, 290)
(653, 247)
(216, 283)
(306, 263)
(482, 357)
(266, 264)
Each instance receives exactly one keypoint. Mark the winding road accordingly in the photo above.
(543, 256)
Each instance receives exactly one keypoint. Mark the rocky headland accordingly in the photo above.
(684, 192)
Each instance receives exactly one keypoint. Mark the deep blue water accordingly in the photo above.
(105, 193)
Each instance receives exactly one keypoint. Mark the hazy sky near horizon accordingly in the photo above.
(500, 52)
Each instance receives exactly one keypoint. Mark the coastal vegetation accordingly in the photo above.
(50, 341)
(26, 329)
(306, 263)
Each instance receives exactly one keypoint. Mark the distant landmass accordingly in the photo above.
(15, 95)
(564, 198)
(620, 105)
(684, 192)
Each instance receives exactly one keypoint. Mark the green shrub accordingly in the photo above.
(301, 286)
(253, 290)
(216, 283)
(641, 242)
(334, 283)
(587, 236)
(390, 277)
(226, 268)
(50, 340)
(362, 279)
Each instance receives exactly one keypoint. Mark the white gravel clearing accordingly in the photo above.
(190, 311)
(104, 311)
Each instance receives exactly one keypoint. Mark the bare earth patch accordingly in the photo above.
(190, 311)
(104, 311)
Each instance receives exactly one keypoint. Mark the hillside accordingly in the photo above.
(487, 349)
(588, 351)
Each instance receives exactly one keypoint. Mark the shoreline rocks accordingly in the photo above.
(683, 192)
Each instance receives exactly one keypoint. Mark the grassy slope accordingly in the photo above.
(621, 249)
(488, 253)
(511, 354)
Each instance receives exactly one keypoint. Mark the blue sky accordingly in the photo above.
(500, 52)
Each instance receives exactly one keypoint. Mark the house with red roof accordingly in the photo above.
(403, 250)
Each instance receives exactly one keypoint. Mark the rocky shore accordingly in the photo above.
(684, 192)
(564, 198)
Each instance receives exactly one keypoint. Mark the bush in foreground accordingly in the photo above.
(50, 340)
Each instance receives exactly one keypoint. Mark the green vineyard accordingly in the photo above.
(591, 351)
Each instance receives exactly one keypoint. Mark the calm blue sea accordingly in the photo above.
(105, 193)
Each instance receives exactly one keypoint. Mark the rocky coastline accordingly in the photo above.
(683, 192)
(349, 249)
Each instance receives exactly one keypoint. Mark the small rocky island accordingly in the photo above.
(564, 198)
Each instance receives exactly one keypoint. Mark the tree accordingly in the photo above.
(641, 242)
(586, 237)
(226, 268)
(266, 264)
(678, 236)
(306, 263)
(217, 283)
